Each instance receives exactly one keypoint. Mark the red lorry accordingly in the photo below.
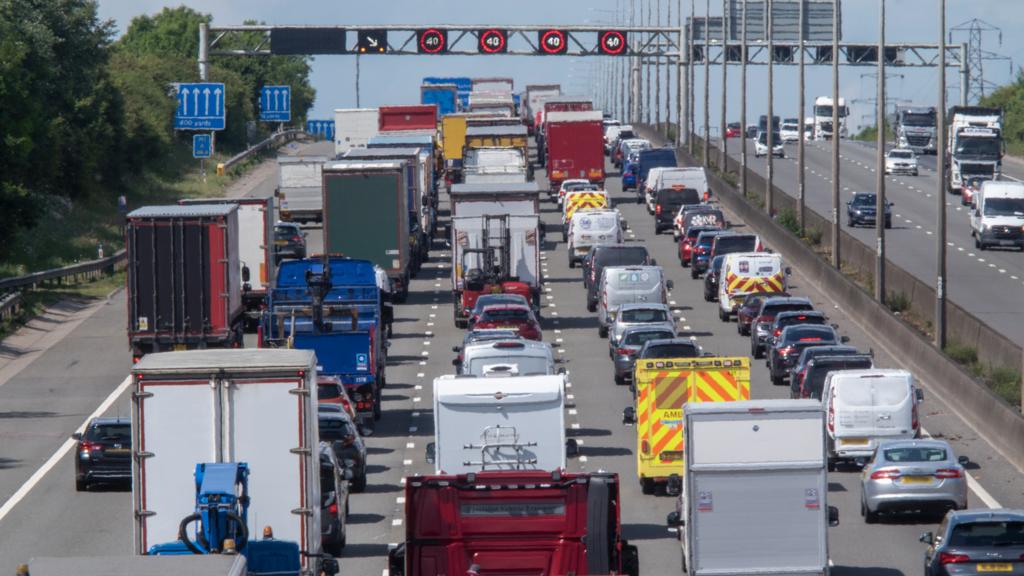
(513, 522)
(575, 147)
(402, 118)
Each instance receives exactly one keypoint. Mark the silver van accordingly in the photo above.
(629, 285)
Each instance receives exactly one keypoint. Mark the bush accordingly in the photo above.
(788, 220)
(961, 354)
(899, 302)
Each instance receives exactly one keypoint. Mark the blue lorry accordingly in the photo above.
(444, 96)
(463, 83)
(342, 316)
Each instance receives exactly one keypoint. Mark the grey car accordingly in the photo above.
(976, 541)
(648, 315)
(912, 475)
(628, 348)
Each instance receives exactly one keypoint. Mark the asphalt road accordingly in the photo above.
(50, 398)
(988, 284)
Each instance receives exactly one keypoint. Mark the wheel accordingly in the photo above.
(756, 351)
(647, 486)
(358, 483)
(591, 307)
(620, 380)
(888, 224)
(602, 331)
(778, 380)
(81, 485)
(376, 408)
(831, 464)
(978, 243)
(572, 263)
(849, 222)
(723, 315)
(869, 516)
(693, 273)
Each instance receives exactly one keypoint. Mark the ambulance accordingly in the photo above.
(582, 200)
(748, 273)
(662, 387)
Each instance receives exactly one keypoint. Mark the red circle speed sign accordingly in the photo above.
(432, 41)
(553, 42)
(493, 41)
(612, 42)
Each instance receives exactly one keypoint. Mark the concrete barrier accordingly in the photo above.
(996, 421)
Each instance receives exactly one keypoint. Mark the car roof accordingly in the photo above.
(791, 313)
(643, 306)
(807, 330)
(481, 335)
(645, 328)
(671, 341)
(837, 351)
(915, 443)
(506, 306)
(830, 360)
(975, 515)
(108, 420)
(778, 300)
(711, 233)
(522, 344)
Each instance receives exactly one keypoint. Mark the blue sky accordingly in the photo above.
(395, 79)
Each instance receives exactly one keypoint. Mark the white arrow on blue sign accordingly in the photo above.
(202, 145)
(200, 107)
(276, 104)
(323, 128)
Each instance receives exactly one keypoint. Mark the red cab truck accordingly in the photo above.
(513, 522)
(184, 278)
(575, 147)
(404, 118)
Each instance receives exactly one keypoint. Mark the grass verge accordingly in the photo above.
(33, 302)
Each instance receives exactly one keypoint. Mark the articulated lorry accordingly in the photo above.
(974, 144)
(534, 99)
(755, 489)
(823, 129)
(404, 118)
(556, 104)
(184, 281)
(915, 128)
(444, 96)
(194, 565)
(353, 128)
(575, 147)
(298, 188)
(496, 165)
(463, 83)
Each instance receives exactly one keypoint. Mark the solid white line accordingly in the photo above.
(975, 486)
(61, 452)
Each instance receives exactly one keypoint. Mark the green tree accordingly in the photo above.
(1011, 99)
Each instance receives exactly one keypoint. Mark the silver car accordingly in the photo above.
(920, 475)
(650, 315)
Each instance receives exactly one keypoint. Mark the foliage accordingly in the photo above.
(1011, 99)
(870, 133)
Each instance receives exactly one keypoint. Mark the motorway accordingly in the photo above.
(55, 394)
(989, 285)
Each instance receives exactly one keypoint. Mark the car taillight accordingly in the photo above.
(91, 447)
(947, 558)
(657, 210)
(831, 415)
(885, 474)
(945, 473)
(913, 418)
(333, 509)
(296, 238)
(786, 351)
(623, 351)
(777, 332)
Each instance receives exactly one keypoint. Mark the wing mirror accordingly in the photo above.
(431, 453)
(629, 415)
(927, 538)
(76, 436)
(365, 431)
(572, 448)
(654, 262)
(789, 271)
(457, 349)
(844, 339)
(833, 516)
(670, 285)
(561, 371)
(245, 274)
(329, 566)
(963, 461)
(455, 362)
(673, 520)
(919, 395)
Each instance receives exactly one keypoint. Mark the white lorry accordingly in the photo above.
(974, 144)
(256, 406)
(755, 489)
(353, 128)
(495, 165)
(201, 565)
(498, 424)
(299, 188)
(823, 128)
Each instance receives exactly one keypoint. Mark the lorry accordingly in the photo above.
(366, 216)
(915, 128)
(755, 489)
(493, 103)
(534, 99)
(463, 83)
(496, 165)
(497, 137)
(424, 139)
(353, 128)
(229, 413)
(974, 144)
(203, 565)
(255, 249)
(404, 118)
(515, 522)
(575, 147)
(444, 96)
(184, 282)
(556, 104)
(338, 312)
(823, 128)
(298, 188)
(498, 85)
(662, 387)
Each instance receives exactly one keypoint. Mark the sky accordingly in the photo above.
(386, 80)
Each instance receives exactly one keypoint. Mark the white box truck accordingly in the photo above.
(256, 406)
(299, 188)
(353, 128)
(755, 489)
(497, 423)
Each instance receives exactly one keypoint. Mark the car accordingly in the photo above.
(488, 299)
(751, 306)
(922, 475)
(575, 185)
(334, 488)
(976, 541)
(808, 354)
(731, 242)
(809, 381)
(512, 357)
(511, 317)
(970, 187)
(760, 326)
(614, 134)
(630, 315)
(733, 130)
(670, 348)
(701, 255)
(697, 215)
(790, 130)
(289, 241)
(751, 131)
(341, 433)
(784, 319)
(603, 255)
(103, 453)
(668, 202)
(330, 390)
(688, 241)
(629, 345)
(787, 346)
(477, 335)
(711, 279)
(761, 145)
(901, 161)
(862, 209)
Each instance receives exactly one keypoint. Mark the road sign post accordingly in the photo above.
(202, 145)
(276, 104)
(200, 106)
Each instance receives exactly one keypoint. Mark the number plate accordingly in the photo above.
(281, 242)
(180, 347)
(1006, 242)
(995, 567)
(117, 451)
(915, 480)
(854, 441)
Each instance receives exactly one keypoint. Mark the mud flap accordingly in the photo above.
(598, 539)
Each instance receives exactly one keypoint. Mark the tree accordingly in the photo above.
(1011, 99)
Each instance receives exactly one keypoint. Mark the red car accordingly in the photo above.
(733, 130)
(688, 242)
(510, 317)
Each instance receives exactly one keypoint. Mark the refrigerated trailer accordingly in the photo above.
(353, 128)
(298, 188)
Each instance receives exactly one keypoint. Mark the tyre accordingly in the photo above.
(620, 380)
(888, 224)
(850, 223)
(358, 483)
(869, 516)
(376, 409)
(647, 486)
(572, 263)
(723, 315)
(778, 380)
(591, 307)
(81, 485)
(756, 351)
(602, 331)
(693, 273)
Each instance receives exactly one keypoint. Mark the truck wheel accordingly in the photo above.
(647, 486)
(602, 331)
(572, 263)
(376, 408)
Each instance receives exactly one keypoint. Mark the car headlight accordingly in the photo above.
(857, 212)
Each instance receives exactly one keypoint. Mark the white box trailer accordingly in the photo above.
(524, 245)
(201, 565)
(256, 406)
(755, 489)
(353, 128)
(299, 187)
(498, 423)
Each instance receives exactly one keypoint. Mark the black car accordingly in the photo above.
(104, 453)
(711, 279)
(333, 501)
(629, 347)
(808, 354)
(734, 243)
(289, 241)
(609, 255)
(667, 203)
(788, 346)
(791, 318)
(761, 325)
(337, 429)
(862, 210)
(812, 377)
(669, 348)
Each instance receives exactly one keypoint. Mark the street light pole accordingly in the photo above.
(743, 101)
(668, 71)
(769, 196)
(940, 190)
(634, 73)
(691, 94)
(723, 157)
(801, 191)
(836, 259)
(707, 83)
(657, 72)
(683, 81)
(646, 65)
(880, 203)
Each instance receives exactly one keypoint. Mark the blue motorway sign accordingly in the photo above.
(276, 104)
(200, 107)
(202, 145)
(323, 128)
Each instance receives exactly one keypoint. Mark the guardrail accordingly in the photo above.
(11, 288)
(284, 136)
(10, 305)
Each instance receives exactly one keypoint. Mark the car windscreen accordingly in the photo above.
(328, 391)
(988, 534)
(728, 244)
(672, 199)
(285, 232)
(623, 134)
(332, 428)
(864, 200)
(679, 350)
(773, 309)
(120, 433)
(901, 154)
(802, 334)
(506, 314)
(490, 299)
(1004, 207)
(639, 337)
(643, 315)
(625, 256)
(525, 365)
(915, 454)
(791, 320)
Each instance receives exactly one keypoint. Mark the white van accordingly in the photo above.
(629, 285)
(518, 357)
(591, 227)
(997, 215)
(691, 177)
(864, 407)
(747, 273)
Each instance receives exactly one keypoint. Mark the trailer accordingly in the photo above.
(444, 96)
(575, 147)
(298, 188)
(353, 128)
(534, 99)
(202, 565)
(402, 118)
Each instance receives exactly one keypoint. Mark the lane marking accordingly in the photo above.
(975, 486)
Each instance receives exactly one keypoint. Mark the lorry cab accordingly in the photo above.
(997, 215)
(629, 285)
(748, 273)
(592, 227)
(512, 357)
(864, 407)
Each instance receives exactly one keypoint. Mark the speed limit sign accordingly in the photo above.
(432, 41)
(493, 41)
(611, 42)
(552, 42)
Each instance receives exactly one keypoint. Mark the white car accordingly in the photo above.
(901, 161)
(761, 145)
(790, 132)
